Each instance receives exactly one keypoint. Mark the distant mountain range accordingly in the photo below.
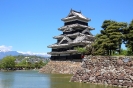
(15, 53)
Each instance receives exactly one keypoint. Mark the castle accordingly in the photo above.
(76, 33)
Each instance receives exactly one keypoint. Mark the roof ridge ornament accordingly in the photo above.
(76, 11)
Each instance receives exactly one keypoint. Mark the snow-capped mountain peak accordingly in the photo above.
(31, 53)
(15, 53)
(7, 50)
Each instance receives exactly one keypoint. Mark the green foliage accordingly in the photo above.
(110, 39)
(81, 50)
(21, 62)
(39, 64)
(124, 52)
(89, 50)
(99, 44)
(8, 63)
(0, 64)
(129, 52)
(128, 36)
(30, 62)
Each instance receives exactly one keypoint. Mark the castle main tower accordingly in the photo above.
(76, 33)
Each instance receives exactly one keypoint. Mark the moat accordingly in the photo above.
(33, 79)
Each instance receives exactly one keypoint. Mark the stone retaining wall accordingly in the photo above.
(106, 70)
(61, 67)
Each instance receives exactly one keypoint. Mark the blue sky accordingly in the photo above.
(29, 25)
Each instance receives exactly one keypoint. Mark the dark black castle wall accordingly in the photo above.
(76, 21)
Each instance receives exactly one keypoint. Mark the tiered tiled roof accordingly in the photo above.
(74, 34)
(75, 15)
(75, 26)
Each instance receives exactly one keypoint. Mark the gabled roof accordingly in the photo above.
(59, 36)
(83, 37)
(75, 14)
(65, 38)
(75, 26)
(68, 29)
(87, 30)
(79, 38)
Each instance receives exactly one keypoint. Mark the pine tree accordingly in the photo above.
(110, 39)
(129, 36)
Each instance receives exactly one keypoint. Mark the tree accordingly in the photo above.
(0, 64)
(128, 36)
(90, 49)
(129, 52)
(110, 39)
(8, 63)
(23, 62)
(100, 44)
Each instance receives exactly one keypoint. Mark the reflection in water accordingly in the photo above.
(62, 81)
(24, 79)
(33, 79)
(6, 79)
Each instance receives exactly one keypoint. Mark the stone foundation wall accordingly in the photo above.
(106, 70)
(61, 67)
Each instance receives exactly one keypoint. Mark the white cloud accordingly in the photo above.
(4, 48)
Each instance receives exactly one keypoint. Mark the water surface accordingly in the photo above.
(33, 79)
